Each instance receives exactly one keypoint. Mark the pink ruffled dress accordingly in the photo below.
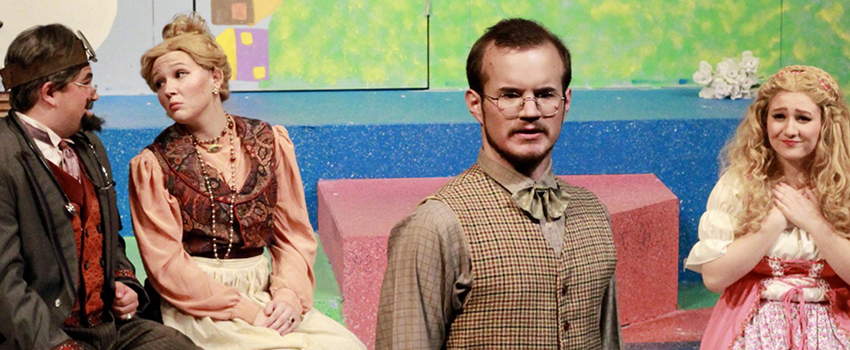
(792, 299)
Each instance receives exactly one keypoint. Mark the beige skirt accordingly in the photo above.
(251, 278)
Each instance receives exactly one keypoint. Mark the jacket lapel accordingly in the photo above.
(54, 217)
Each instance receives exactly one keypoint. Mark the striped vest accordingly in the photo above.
(522, 296)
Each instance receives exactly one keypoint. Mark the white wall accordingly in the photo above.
(120, 31)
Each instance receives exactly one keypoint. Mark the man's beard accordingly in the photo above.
(91, 123)
(520, 162)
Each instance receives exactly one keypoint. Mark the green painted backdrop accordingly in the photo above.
(348, 44)
(818, 33)
(618, 43)
(615, 43)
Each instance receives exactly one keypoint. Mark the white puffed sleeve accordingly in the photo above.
(717, 224)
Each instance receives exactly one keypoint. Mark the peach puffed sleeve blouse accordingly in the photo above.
(158, 228)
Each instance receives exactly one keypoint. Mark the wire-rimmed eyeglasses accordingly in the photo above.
(88, 86)
(511, 104)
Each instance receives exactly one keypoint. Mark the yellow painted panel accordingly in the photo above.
(247, 38)
(264, 8)
(259, 73)
(227, 40)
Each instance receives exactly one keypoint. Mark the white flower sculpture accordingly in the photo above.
(734, 79)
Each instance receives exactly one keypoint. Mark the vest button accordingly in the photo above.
(57, 303)
(86, 265)
(566, 326)
(564, 291)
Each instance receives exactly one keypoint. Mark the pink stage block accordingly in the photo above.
(356, 216)
(677, 326)
(645, 219)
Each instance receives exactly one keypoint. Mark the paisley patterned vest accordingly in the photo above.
(88, 308)
(253, 225)
(523, 296)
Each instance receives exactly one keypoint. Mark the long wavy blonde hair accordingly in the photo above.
(190, 34)
(751, 159)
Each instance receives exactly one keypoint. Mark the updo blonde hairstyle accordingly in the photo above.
(754, 163)
(189, 33)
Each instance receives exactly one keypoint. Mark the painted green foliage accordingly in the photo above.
(615, 43)
(347, 44)
(817, 33)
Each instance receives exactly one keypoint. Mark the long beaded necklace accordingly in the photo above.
(231, 184)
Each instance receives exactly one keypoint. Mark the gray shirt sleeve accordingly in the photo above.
(609, 324)
(427, 280)
(610, 319)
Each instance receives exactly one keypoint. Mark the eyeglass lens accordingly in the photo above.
(512, 105)
(89, 86)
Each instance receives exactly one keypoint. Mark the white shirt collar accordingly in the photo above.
(54, 137)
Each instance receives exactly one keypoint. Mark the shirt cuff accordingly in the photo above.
(69, 344)
(246, 310)
(290, 297)
(704, 251)
(124, 273)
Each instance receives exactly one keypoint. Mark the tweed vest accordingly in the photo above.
(255, 201)
(523, 296)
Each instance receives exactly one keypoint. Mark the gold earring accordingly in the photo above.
(215, 91)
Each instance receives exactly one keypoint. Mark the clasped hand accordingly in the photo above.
(798, 206)
(126, 301)
(278, 315)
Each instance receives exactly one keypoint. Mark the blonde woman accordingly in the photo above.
(775, 237)
(209, 196)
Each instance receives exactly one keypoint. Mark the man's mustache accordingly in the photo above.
(537, 127)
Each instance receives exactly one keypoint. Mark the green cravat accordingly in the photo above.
(539, 200)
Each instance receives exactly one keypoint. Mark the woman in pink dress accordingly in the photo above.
(775, 236)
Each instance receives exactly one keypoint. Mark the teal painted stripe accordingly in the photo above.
(400, 107)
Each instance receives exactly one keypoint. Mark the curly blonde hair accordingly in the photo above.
(190, 34)
(751, 159)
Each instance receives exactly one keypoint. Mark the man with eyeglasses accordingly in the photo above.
(506, 256)
(65, 281)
